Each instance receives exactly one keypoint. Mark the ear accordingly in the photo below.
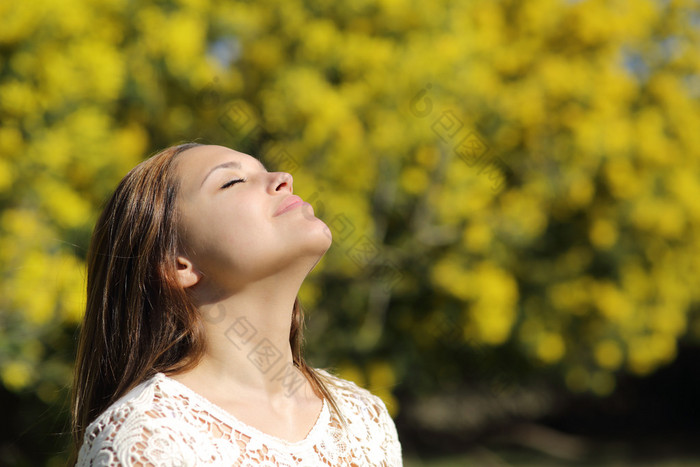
(187, 275)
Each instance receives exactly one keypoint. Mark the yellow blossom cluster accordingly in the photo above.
(531, 169)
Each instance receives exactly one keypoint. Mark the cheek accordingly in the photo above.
(234, 238)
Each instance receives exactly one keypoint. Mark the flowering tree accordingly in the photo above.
(515, 178)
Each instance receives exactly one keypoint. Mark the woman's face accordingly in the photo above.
(231, 224)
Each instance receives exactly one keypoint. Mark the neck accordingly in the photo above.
(247, 337)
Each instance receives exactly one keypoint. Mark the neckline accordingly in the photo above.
(236, 424)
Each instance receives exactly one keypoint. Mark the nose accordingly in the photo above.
(283, 181)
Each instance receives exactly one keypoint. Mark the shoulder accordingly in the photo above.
(142, 427)
(349, 393)
(367, 417)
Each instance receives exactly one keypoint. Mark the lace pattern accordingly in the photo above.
(164, 423)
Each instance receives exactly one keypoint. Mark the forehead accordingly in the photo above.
(202, 157)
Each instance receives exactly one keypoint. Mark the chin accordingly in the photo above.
(317, 236)
(321, 230)
(323, 238)
(311, 252)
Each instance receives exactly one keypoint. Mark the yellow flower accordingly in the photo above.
(491, 322)
(493, 313)
(183, 40)
(16, 375)
(649, 136)
(671, 221)
(550, 347)
(647, 352)
(611, 302)
(391, 403)
(65, 206)
(309, 293)
(6, 174)
(70, 276)
(580, 192)
(608, 354)
(19, 20)
(381, 376)
(11, 140)
(427, 156)
(623, 180)
(352, 373)
(33, 293)
(17, 98)
(477, 237)
(450, 275)
(414, 180)
(603, 234)
(667, 319)
(685, 186)
(523, 213)
(571, 296)
(320, 41)
(265, 53)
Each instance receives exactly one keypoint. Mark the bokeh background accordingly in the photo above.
(513, 190)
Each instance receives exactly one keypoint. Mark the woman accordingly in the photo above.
(190, 349)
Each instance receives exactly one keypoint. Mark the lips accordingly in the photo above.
(290, 202)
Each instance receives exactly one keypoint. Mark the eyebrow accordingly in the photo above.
(228, 165)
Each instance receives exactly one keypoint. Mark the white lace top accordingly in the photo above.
(162, 422)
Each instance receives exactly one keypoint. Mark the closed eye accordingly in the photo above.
(233, 182)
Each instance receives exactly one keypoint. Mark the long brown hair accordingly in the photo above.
(138, 320)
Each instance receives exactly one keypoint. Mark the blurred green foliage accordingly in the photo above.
(519, 179)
